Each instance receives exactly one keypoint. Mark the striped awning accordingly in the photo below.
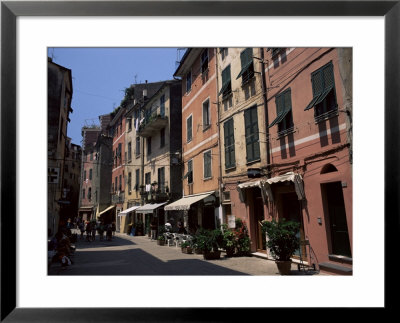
(149, 208)
(125, 212)
(106, 210)
(184, 203)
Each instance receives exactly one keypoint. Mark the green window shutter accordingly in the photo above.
(246, 59)
(328, 76)
(229, 144)
(189, 128)
(317, 83)
(226, 79)
(251, 133)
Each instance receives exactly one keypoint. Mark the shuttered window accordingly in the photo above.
(246, 60)
(161, 179)
(207, 164)
(251, 133)
(284, 117)
(137, 180)
(188, 81)
(324, 93)
(190, 171)
(189, 129)
(229, 141)
(204, 61)
(226, 88)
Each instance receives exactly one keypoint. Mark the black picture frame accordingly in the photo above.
(10, 10)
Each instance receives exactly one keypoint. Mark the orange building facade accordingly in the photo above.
(200, 140)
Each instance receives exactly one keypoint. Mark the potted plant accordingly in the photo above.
(283, 242)
(209, 241)
(229, 242)
(187, 247)
(161, 240)
(242, 238)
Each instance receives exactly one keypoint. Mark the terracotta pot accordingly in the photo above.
(212, 255)
(230, 252)
(161, 242)
(187, 250)
(284, 266)
(198, 251)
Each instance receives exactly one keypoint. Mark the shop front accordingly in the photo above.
(149, 212)
(107, 216)
(195, 211)
(126, 219)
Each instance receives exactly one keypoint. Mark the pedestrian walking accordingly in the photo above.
(109, 232)
(88, 231)
(100, 230)
(82, 229)
(153, 228)
(94, 230)
(113, 228)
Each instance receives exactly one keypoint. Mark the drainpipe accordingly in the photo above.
(219, 136)
(264, 89)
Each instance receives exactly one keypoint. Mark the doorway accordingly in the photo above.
(336, 219)
(291, 211)
(257, 218)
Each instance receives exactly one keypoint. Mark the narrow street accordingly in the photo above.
(127, 255)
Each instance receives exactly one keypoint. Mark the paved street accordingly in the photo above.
(126, 255)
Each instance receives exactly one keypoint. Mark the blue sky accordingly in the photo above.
(100, 76)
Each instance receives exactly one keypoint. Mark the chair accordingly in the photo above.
(169, 238)
(178, 239)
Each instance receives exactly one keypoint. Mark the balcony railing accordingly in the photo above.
(117, 197)
(156, 192)
(153, 122)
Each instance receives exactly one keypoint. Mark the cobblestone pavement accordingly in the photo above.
(127, 255)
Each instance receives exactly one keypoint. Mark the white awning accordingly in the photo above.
(293, 177)
(149, 208)
(125, 212)
(260, 184)
(185, 202)
(107, 209)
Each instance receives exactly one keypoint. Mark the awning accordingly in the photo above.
(260, 184)
(280, 117)
(149, 208)
(293, 177)
(86, 208)
(186, 202)
(125, 212)
(106, 210)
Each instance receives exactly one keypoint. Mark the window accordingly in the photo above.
(129, 182)
(246, 60)
(129, 151)
(229, 141)
(83, 193)
(148, 146)
(251, 133)
(129, 124)
(120, 183)
(204, 61)
(189, 129)
(206, 114)
(147, 178)
(188, 82)
(162, 105)
(207, 164)
(119, 152)
(89, 195)
(116, 183)
(137, 146)
(84, 175)
(224, 52)
(324, 94)
(226, 88)
(162, 138)
(284, 117)
(137, 180)
(161, 179)
(90, 173)
(112, 188)
(190, 172)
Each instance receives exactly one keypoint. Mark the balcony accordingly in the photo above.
(152, 123)
(117, 198)
(156, 192)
